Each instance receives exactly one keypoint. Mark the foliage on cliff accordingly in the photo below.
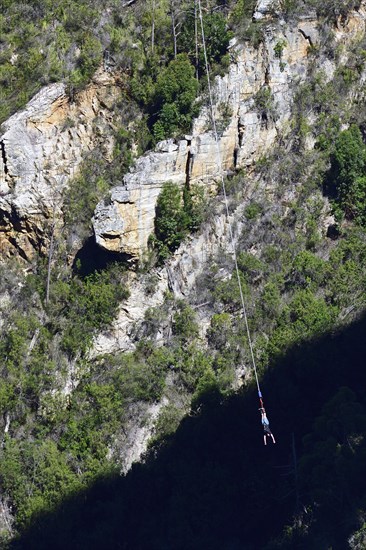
(152, 42)
(195, 490)
(177, 213)
(65, 415)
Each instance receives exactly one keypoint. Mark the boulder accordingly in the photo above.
(265, 8)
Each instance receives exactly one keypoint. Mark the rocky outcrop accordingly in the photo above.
(252, 107)
(42, 147)
(130, 445)
(265, 8)
(247, 127)
(121, 335)
(125, 222)
(179, 276)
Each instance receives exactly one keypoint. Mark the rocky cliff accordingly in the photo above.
(300, 279)
(42, 148)
(252, 106)
(125, 223)
(43, 145)
(246, 131)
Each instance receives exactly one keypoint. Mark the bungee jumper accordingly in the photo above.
(265, 423)
(264, 418)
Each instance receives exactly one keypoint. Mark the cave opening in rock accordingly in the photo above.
(92, 257)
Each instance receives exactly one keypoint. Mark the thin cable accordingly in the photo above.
(225, 197)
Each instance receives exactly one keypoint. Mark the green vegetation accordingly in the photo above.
(37, 471)
(170, 221)
(177, 213)
(252, 211)
(66, 416)
(46, 42)
(76, 311)
(88, 305)
(346, 181)
(168, 91)
(279, 47)
(218, 37)
(173, 98)
(214, 468)
(263, 101)
(151, 41)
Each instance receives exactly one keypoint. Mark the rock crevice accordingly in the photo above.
(4, 168)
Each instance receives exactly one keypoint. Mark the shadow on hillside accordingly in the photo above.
(214, 485)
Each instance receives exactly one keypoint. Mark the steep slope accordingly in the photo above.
(98, 361)
(212, 482)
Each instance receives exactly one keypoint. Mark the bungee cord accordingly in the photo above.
(219, 162)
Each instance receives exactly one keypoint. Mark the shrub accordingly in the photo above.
(228, 293)
(36, 475)
(90, 305)
(170, 221)
(195, 206)
(279, 47)
(253, 210)
(251, 267)
(217, 38)
(304, 317)
(185, 325)
(176, 213)
(345, 181)
(264, 103)
(192, 363)
(333, 8)
(173, 98)
(308, 270)
(220, 330)
(271, 299)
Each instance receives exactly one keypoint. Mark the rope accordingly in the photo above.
(226, 202)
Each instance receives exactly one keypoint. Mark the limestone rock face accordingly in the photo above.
(245, 132)
(251, 105)
(124, 225)
(42, 147)
(264, 8)
(178, 276)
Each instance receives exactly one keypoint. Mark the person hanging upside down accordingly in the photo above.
(267, 431)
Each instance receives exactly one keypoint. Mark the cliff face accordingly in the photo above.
(42, 148)
(280, 220)
(126, 223)
(246, 128)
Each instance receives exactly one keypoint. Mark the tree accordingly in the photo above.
(346, 181)
(173, 98)
(220, 330)
(185, 326)
(217, 38)
(170, 220)
(177, 12)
